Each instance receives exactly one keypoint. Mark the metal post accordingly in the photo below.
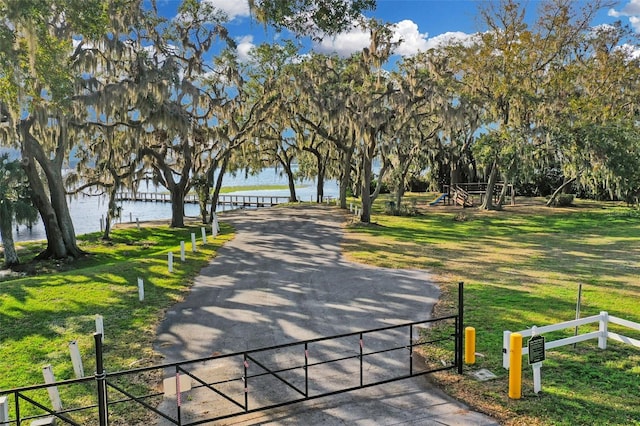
(411, 350)
(101, 379)
(178, 396)
(306, 370)
(246, 384)
(361, 348)
(460, 326)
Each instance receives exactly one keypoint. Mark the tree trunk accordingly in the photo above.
(216, 190)
(503, 193)
(54, 210)
(558, 191)
(55, 243)
(292, 182)
(111, 210)
(365, 187)
(177, 206)
(292, 187)
(345, 176)
(6, 233)
(320, 181)
(491, 183)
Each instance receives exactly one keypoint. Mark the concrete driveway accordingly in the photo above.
(282, 279)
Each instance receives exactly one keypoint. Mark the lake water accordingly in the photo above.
(87, 211)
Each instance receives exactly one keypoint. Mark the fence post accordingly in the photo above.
(54, 395)
(506, 339)
(182, 257)
(76, 359)
(604, 330)
(204, 235)
(101, 379)
(193, 242)
(140, 289)
(4, 411)
(460, 326)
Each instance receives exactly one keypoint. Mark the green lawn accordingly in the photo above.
(522, 267)
(40, 315)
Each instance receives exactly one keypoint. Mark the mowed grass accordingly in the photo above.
(41, 314)
(522, 267)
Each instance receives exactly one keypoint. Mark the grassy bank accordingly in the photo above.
(41, 314)
(522, 267)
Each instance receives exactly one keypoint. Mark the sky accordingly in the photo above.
(420, 23)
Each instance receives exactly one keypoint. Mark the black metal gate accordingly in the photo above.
(254, 380)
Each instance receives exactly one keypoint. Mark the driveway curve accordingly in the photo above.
(283, 279)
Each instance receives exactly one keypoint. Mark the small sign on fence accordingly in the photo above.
(536, 349)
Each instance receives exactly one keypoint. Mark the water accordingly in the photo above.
(87, 211)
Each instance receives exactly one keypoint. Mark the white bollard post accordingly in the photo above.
(137, 223)
(100, 326)
(170, 261)
(4, 411)
(76, 359)
(193, 242)
(130, 217)
(54, 395)
(204, 235)
(182, 256)
(140, 289)
(351, 207)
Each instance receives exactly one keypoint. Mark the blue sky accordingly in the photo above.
(420, 23)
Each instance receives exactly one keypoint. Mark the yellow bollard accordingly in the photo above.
(469, 345)
(515, 366)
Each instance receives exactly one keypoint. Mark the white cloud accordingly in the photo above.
(233, 8)
(449, 38)
(344, 44)
(245, 44)
(412, 40)
(630, 10)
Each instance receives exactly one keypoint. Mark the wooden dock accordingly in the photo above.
(223, 199)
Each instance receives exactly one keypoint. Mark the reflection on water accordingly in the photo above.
(87, 211)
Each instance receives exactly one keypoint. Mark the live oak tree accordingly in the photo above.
(506, 71)
(15, 205)
(591, 114)
(44, 74)
(322, 84)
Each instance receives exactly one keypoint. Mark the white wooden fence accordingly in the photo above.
(602, 334)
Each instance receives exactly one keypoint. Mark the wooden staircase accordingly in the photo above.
(461, 197)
